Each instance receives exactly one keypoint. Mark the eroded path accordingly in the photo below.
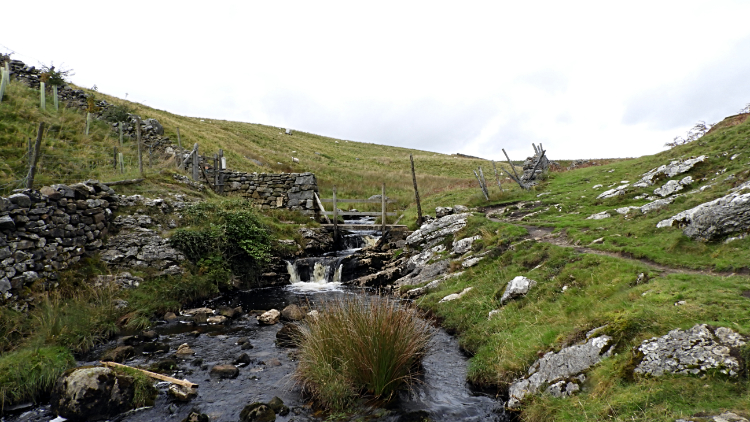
(548, 235)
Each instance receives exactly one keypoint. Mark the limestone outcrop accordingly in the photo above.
(560, 373)
(714, 219)
(693, 351)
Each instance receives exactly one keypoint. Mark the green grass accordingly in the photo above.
(360, 345)
(28, 373)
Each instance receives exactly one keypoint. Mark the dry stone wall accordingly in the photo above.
(294, 191)
(44, 231)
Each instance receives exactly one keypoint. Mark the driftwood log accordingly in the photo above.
(184, 383)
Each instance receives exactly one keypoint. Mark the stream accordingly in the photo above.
(442, 395)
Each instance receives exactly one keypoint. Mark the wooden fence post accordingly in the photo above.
(382, 208)
(322, 208)
(196, 157)
(517, 179)
(216, 171)
(335, 217)
(480, 185)
(32, 167)
(138, 141)
(496, 176)
(416, 192)
(31, 152)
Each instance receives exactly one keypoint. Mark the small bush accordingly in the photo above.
(361, 345)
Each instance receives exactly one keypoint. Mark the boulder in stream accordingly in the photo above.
(292, 313)
(92, 393)
(257, 412)
(269, 317)
(224, 371)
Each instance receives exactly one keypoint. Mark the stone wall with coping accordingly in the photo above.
(293, 191)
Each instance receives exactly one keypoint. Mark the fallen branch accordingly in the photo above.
(184, 383)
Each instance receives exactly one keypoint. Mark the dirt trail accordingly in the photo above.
(545, 234)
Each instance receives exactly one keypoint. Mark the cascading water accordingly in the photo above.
(319, 274)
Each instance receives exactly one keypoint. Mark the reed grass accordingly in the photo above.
(361, 347)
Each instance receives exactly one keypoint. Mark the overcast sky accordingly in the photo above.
(587, 79)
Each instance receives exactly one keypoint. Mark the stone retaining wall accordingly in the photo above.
(286, 190)
(44, 231)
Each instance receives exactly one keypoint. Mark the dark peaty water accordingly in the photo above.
(442, 396)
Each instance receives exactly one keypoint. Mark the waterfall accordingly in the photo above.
(293, 274)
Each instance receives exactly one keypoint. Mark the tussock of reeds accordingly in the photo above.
(361, 346)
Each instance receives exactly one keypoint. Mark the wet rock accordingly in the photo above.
(273, 362)
(195, 415)
(130, 340)
(228, 312)
(149, 335)
(518, 287)
(257, 412)
(200, 317)
(170, 316)
(92, 393)
(224, 371)
(292, 313)
(118, 354)
(269, 317)
(433, 232)
(184, 351)
(156, 348)
(316, 241)
(216, 319)
(288, 336)
(455, 296)
(182, 393)
(164, 365)
(714, 219)
(242, 359)
(565, 365)
(278, 406)
(692, 351)
(246, 346)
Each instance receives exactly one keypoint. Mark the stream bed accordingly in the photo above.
(443, 394)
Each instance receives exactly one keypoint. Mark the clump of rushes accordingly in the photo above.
(357, 346)
(27, 374)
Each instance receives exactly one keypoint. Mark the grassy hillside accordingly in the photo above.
(587, 273)
(357, 169)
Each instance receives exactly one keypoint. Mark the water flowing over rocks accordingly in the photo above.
(714, 219)
(560, 373)
(518, 287)
(693, 351)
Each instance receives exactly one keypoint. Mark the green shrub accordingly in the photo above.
(370, 345)
(29, 373)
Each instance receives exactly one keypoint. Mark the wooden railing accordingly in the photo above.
(383, 213)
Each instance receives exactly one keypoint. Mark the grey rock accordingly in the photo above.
(599, 216)
(692, 351)
(516, 288)
(659, 203)
(462, 246)
(669, 188)
(455, 296)
(565, 365)
(443, 211)
(92, 393)
(7, 223)
(670, 170)
(714, 219)
(431, 233)
(620, 190)
(269, 317)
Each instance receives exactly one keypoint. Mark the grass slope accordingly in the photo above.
(577, 292)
